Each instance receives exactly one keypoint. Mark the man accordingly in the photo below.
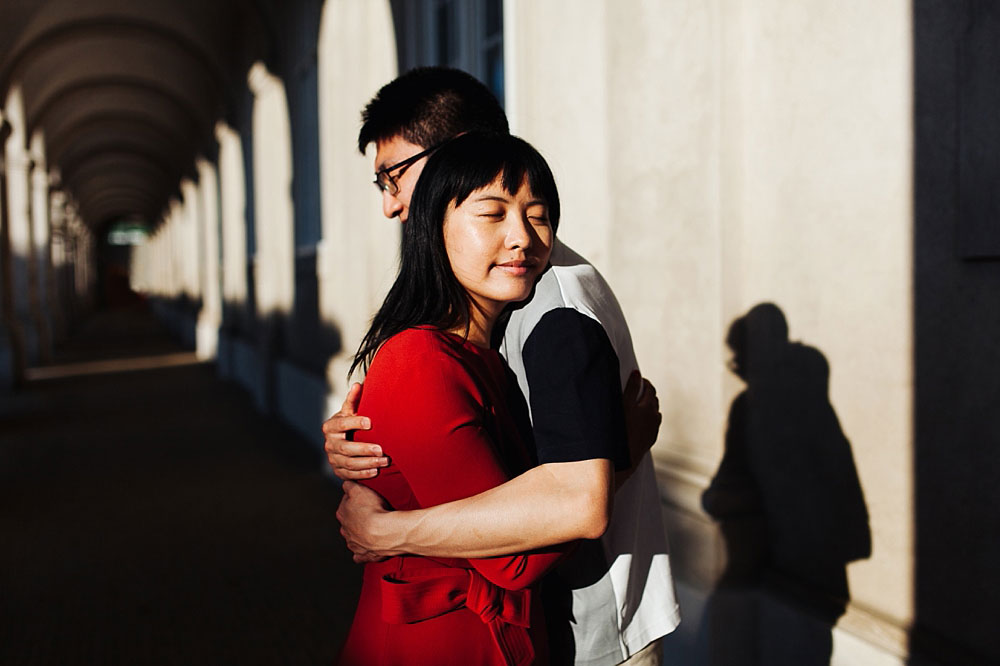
(570, 349)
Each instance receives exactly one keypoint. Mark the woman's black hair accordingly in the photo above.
(426, 291)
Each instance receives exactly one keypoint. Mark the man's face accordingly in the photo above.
(394, 151)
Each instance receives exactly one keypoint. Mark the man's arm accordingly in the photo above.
(359, 460)
(549, 504)
(351, 460)
(575, 498)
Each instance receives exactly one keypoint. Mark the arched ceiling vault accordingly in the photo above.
(108, 94)
(117, 133)
(126, 94)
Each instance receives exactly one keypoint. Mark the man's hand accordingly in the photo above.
(642, 415)
(359, 508)
(351, 460)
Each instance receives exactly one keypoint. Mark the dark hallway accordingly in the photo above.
(148, 515)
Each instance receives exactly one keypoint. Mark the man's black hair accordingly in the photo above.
(429, 105)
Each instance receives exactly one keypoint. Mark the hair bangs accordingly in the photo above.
(474, 161)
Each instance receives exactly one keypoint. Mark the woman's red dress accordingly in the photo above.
(437, 409)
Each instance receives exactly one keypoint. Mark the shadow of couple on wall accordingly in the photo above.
(788, 502)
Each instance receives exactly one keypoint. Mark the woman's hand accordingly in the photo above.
(359, 513)
(351, 460)
(642, 421)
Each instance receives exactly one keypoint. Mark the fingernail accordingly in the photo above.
(383, 462)
(372, 472)
(376, 450)
(367, 423)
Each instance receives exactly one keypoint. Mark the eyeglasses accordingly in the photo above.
(387, 183)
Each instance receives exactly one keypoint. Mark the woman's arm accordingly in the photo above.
(548, 504)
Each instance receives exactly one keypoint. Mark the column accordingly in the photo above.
(58, 306)
(83, 258)
(11, 353)
(274, 279)
(210, 315)
(272, 176)
(22, 281)
(41, 249)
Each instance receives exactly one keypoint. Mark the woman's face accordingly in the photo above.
(498, 244)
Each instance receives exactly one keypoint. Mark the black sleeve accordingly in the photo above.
(574, 390)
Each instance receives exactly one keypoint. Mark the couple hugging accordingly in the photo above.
(498, 484)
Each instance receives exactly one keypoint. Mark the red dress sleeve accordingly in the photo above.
(428, 408)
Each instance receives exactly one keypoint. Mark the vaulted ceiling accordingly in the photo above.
(127, 93)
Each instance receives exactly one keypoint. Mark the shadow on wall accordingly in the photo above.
(14, 348)
(788, 501)
(280, 359)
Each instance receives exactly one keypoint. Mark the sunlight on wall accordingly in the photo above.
(19, 223)
(210, 316)
(232, 190)
(41, 257)
(272, 163)
(358, 252)
(189, 237)
(760, 153)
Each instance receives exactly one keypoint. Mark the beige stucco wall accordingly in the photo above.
(232, 192)
(210, 315)
(274, 270)
(358, 252)
(189, 229)
(714, 155)
(17, 170)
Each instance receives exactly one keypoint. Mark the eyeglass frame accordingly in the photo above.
(393, 187)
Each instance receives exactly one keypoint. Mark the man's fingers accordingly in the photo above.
(354, 469)
(647, 401)
(649, 398)
(349, 475)
(350, 406)
(357, 463)
(348, 449)
(632, 387)
(647, 394)
(339, 424)
(354, 460)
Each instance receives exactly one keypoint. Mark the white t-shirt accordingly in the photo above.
(566, 345)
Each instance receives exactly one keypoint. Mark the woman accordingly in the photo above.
(481, 225)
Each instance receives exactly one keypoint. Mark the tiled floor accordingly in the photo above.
(148, 515)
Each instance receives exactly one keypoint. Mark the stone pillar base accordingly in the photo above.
(206, 339)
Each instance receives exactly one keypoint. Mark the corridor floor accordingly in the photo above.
(148, 515)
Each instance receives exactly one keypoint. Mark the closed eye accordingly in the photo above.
(538, 214)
